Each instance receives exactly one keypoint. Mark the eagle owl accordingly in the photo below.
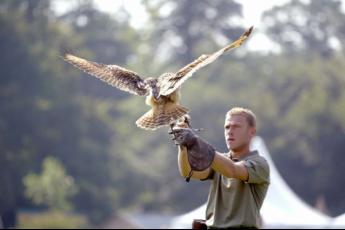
(162, 93)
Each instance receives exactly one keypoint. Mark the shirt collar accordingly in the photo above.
(249, 154)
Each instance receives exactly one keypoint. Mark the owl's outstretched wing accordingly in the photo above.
(170, 84)
(114, 75)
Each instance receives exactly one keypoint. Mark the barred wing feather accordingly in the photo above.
(114, 75)
(170, 84)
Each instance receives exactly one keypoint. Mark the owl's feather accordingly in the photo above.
(162, 93)
(170, 84)
(114, 75)
(161, 116)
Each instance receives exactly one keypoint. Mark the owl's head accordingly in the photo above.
(153, 86)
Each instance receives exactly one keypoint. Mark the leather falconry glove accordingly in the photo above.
(200, 153)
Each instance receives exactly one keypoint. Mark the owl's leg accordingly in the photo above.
(172, 125)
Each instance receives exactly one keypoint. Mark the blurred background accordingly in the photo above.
(71, 155)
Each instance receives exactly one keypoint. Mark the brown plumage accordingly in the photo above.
(162, 93)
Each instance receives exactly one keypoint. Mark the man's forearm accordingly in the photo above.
(228, 168)
(183, 164)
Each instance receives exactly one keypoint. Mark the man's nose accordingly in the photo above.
(229, 132)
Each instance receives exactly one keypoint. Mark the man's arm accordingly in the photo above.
(185, 168)
(229, 168)
(221, 164)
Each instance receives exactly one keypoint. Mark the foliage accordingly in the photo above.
(181, 28)
(52, 187)
(314, 27)
(50, 109)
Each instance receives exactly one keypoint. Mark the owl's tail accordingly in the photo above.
(158, 117)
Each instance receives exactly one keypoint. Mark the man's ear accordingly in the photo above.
(252, 131)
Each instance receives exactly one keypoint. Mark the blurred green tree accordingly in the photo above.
(52, 188)
(314, 27)
(183, 28)
(42, 114)
(49, 108)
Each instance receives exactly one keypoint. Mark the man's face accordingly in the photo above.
(237, 132)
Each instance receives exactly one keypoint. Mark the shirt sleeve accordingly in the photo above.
(258, 170)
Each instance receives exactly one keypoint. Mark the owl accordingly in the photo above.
(162, 93)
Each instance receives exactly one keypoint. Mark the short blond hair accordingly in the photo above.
(247, 113)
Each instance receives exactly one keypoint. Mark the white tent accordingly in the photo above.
(282, 208)
(338, 222)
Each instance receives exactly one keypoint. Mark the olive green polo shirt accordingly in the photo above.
(235, 203)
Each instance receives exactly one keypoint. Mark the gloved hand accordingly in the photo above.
(183, 136)
(200, 153)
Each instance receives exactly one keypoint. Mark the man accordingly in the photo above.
(240, 178)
